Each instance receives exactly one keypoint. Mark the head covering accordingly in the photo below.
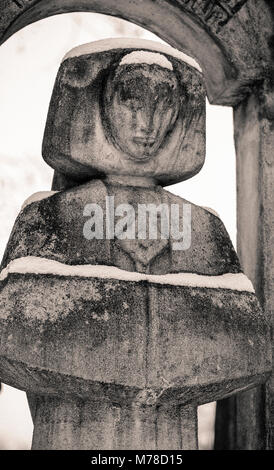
(145, 57)
(75, 142)
(129, 43)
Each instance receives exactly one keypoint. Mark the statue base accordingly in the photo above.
(76, 424)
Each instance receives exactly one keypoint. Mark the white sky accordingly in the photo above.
(29, 62)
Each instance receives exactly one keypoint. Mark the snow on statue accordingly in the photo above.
(114, 291)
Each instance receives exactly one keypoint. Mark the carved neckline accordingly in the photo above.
(128, 180)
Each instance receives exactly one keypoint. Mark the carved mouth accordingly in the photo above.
(146, 141)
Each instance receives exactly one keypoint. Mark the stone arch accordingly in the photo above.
(228, 39)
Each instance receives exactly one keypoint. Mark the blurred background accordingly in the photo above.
(29, 62)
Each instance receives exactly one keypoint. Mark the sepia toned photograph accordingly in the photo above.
(136, 229)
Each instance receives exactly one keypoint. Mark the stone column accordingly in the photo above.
(102, 425)
(249, 416)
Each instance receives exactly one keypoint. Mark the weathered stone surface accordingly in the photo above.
(93, 92)
(53, 228)
(230, 40)
(75, 336)
(251, 414)
(80, 329)
(101, 425)
(154, 348)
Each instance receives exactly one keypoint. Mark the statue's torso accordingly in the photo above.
(132, 329)
(53, 228)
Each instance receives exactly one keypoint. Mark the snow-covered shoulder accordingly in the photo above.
(212, 211)
(39, 196)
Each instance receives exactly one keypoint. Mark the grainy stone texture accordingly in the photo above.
(112, 363)
(134, 348)
(173, 340)
(53, 228)
(83, 144)
(251, 414)
(100, 425)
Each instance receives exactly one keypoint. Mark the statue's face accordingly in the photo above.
(142, 106)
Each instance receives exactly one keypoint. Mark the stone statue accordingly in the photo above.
(123, 306)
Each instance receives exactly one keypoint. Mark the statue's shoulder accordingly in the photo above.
(198, 213)
(50, 225)
(51, 204)
(209, 249)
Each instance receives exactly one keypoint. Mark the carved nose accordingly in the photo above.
(146, 121)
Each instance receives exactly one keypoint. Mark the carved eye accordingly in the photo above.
(124, 94)
(134, 104)
(164, 94)
(169, 96)
(169, 100)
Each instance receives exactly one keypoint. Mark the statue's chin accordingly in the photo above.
(143, 154)
(140, 158)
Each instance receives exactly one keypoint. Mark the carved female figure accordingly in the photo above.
(117, 335)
